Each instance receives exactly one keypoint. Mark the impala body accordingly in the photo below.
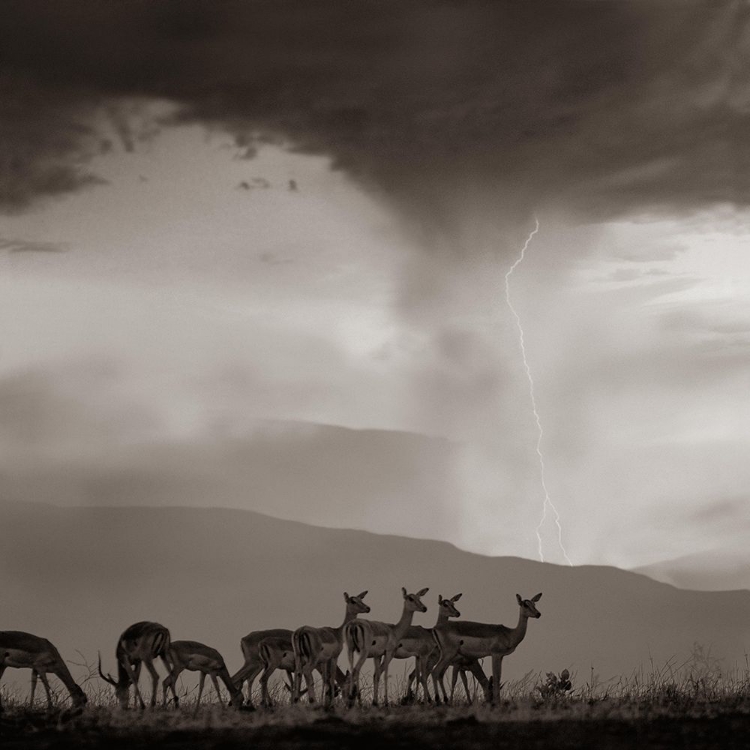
(197, 657)
(140, 644)
(275, 653)
(26, 651)
(254, 665)
(419, 643)
(379, 641)
(475, 640)
(319, 648)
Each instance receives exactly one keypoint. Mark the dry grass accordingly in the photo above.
(696, 688)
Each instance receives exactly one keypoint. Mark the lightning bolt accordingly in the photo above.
(548, 504)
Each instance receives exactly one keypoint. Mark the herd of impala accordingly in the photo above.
(450, 643)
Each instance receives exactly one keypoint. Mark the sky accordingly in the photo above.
(253, 254)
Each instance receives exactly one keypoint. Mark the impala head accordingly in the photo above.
(78, 696)
(237, 699)
(528, 606)
(355, 603)
(413, 602)
(121, 686)
(447, 607)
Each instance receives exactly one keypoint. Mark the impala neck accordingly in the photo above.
(63, 674)
(403, 624)
(519, 632)
(442, 617)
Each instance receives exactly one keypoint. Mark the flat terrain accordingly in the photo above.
(569, 724)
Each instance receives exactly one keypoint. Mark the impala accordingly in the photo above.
(254, 664)
(461, 665)
(139, 644)
(378, 640)
(319, 648)
(419, 643)
(475, 640)
(197, 657)
(26, 651)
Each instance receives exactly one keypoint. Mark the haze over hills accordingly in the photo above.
(709, 570)
(404, 482)
(80, 576)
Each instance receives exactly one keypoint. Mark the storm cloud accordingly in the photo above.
(445, 109)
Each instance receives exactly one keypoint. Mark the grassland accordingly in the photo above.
(660, 709)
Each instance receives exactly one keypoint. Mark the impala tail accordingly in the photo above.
(264, 652)
(355, 641)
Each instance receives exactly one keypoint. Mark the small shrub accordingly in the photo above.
(556, 686)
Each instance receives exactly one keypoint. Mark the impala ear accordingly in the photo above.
(403, 591)
(536, 598)
(362, 595)
(518, 599)
(422, 592)
(456, 597)
(346, 597)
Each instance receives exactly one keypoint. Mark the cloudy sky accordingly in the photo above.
(253, 254)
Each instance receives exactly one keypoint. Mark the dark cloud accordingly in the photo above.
(449, 109)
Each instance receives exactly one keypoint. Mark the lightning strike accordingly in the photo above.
(548, 504)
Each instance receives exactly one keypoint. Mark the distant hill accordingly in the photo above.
(705, 571)
(79, 576)
(402, 482)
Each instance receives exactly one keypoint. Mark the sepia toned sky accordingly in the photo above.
(245, 247)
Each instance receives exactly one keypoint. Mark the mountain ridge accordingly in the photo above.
(80, 575)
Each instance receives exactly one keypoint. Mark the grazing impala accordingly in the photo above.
(378, 640)
(319, 648)
(139, 644)
(26, 651)
(197, 657)
(475, 640)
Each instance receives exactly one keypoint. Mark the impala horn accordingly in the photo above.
(106, 677)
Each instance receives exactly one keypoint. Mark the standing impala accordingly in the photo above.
(266, 651)
(26, 651)
(254, 663)
(419, 643)
(378, 640)
(139, 644)
(197, 657)
(475, 640)
(319, 648)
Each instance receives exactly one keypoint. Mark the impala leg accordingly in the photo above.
(33, 686)
(45, 682)
(307, 670)
(170, 681)
(216, 688)
(201, 683)
(251, 676)
(438, 675)
(497, 668)
(465, 681)
(329, 668)
(2, 671)
(134, 670)
(154, 681)
(454, 679)
(422, 674)
(378, 668)
(410, 682)
(265, 698)
(354, 675)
